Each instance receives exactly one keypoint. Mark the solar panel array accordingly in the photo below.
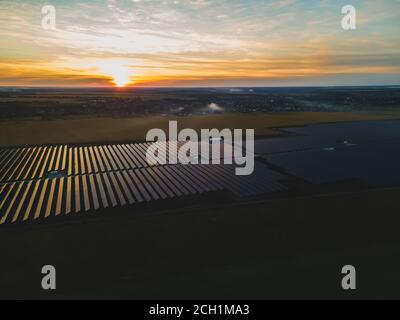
(375, 164)
(329, 135)
(364, 151)
(106, 176)
(35, 162)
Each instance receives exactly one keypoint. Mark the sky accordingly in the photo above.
(199, 43)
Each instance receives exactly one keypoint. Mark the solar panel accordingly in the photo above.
(50, 198)
(102, 191)
(137, 181)
(60, 197)
(96, 204)
(22, 201)
(132, 186)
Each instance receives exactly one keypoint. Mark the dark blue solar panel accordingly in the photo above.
(329, 135)
(366, 151)
(374, 163)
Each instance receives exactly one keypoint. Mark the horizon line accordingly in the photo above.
(194, 87)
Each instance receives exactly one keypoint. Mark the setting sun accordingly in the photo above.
(119, 72)
(121, 77)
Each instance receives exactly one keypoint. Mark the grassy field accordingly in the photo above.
(91, 130)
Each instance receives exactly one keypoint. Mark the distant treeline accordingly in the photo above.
(59, 103)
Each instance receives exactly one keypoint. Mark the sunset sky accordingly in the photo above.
(199, 43)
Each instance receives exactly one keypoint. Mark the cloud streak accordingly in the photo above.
(189, 42)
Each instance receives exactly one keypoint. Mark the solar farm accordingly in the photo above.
(43, 182)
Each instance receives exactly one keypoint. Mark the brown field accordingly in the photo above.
(92, 130)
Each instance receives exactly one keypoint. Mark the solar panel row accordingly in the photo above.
(29, 163)
(35, 162)
(44, 198)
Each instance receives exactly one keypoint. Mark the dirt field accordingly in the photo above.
(292, 248)
(92, 130)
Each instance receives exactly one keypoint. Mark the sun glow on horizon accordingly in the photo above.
(121, 78)
(119, 72)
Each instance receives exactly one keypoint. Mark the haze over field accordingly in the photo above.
(199, 43)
